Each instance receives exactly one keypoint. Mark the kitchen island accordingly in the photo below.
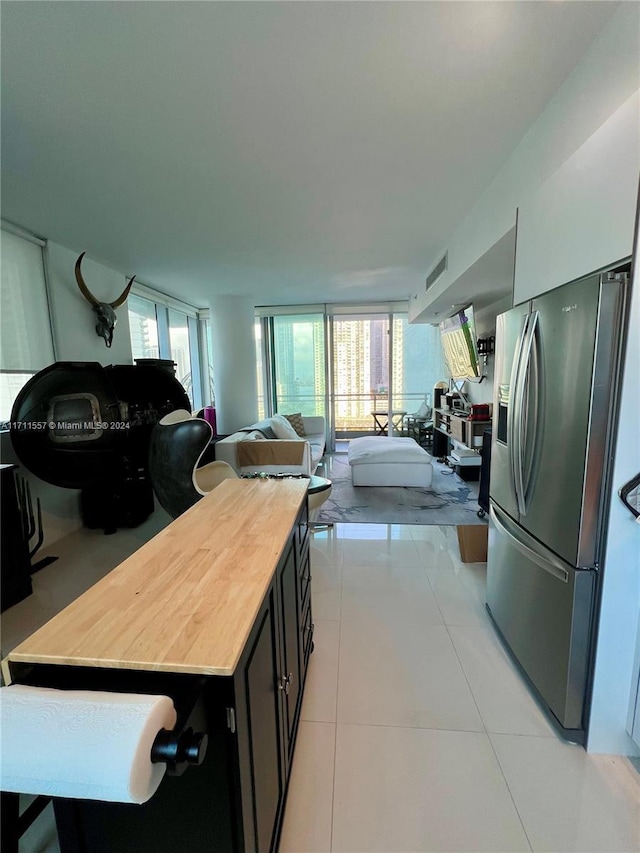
(215, 612)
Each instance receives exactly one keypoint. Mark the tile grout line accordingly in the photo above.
(488, 736)
(506, 782)
(464, 674)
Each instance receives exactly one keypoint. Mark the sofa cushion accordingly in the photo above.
(263, 426)
(297, 423)
(282, 428)
(268, 453)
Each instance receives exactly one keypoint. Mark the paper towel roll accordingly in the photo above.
(80, 743)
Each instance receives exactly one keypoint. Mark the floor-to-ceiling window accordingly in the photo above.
(346, 364)
(299, 380)
(160, 331)
(417, 363)
(360, 366)
(26, 340)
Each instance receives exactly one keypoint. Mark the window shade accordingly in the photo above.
(25, 330)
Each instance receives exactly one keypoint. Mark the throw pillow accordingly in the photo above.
(424, 411)
(282, 428)
(296, 423)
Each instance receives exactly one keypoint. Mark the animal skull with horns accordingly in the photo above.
(104, 310)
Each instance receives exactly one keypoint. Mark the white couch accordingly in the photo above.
(285, 454)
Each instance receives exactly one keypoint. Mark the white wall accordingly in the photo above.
(74, 320)
(234, 362)
(615, 676)
(75, 339)
(582, 217)
(604, 79)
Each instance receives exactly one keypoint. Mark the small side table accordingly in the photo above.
(318, 492)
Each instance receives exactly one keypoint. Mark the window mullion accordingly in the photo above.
(196, 376)
(164, 344)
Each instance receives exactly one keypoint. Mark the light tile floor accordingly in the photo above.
(417, 732)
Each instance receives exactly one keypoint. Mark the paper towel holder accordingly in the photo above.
(179, 751)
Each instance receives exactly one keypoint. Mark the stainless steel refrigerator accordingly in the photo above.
(556, 376)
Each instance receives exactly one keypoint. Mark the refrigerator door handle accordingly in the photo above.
(514, 414)
(520, 413)
(533, 428)
(545, 560)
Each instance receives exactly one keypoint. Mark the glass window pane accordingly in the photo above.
(298, 342)
(208, 379)
(10, 386)
(361, 372)
(259, 368)
(143, 327)
(179, 346)
(417, 363)
(26, 342)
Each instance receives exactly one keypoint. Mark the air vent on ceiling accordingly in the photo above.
(437, 271)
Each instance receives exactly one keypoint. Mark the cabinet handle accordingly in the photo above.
(285, 683)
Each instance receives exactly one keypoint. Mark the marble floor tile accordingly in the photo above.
(321, 690)
(308, 812)
(325, 547)
(503, 698)
(382, 593)
(396, 672)
(569, 800)
(399, 789)
(380, 552)
(460, 593)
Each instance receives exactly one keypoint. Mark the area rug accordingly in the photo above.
(449, 499)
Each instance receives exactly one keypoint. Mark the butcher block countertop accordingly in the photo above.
(187, 600)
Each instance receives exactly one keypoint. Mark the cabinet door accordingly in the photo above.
(261, 680)
(290, 684)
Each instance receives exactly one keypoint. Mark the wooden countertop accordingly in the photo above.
(186, 600)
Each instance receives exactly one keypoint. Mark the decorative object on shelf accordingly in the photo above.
(630, 496)
(105, 311)
(480, 412)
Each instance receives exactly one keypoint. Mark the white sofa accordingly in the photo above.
(284, 455)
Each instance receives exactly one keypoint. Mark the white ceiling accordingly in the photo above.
(294, 152)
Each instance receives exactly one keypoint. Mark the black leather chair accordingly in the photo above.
(178, 442)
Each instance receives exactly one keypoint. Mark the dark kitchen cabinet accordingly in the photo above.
(269, 695)
(260, 732)
(234, 802)
(16, 566)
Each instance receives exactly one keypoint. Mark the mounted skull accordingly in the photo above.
(105, 311)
